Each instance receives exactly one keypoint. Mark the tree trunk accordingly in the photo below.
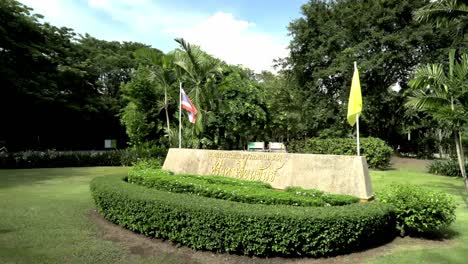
(460, 156)
(167, 116)
(441, 151)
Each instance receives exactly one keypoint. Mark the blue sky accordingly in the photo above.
(251, 33)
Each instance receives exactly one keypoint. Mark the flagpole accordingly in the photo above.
(357, 132)
(180, 114)
(357, 123)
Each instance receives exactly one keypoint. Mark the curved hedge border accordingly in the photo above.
(234, 189)
(251, 229)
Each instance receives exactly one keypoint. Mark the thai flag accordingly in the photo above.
(187, 104)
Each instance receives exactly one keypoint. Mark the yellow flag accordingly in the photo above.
(355, 98)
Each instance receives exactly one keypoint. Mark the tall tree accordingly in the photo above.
(286, 116)
(59, 90)
(200, 71)
(163, 73)
(385, 41)
(240, 112)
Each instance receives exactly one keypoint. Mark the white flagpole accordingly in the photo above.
(357, 123)
(180, 114)
(357, 129)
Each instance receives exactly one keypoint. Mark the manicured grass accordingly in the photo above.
(456, 248)
(44, 219)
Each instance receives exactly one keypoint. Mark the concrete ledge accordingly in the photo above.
(329, 173)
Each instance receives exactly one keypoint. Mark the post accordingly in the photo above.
(180, 114)
(357, 133)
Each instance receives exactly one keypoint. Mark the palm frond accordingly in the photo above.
(427, 103)
(148, 56)
(193, 54)
(442, 11)
(461, 69)
(431, 75)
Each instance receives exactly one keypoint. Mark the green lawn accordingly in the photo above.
(456, 250)
(44, 218)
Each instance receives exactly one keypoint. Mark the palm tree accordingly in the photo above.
(200, 71)
(162, 73)
(445, 97)
(445, 11)
(165, 76)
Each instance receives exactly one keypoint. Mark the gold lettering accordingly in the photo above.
(266, 167)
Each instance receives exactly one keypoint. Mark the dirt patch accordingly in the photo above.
(167, 252)
(407, 163)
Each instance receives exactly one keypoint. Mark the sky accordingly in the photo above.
(241, 32)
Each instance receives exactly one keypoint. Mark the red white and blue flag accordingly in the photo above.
(187, 104)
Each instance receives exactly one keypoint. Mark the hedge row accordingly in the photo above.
(377, 152)
(233, 189)
(51, 159)
(251, 229)
(446, 167)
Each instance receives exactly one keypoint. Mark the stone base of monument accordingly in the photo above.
(330, 173)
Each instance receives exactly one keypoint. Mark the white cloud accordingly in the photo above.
(71, 14)
(221, 34)
(234, 41)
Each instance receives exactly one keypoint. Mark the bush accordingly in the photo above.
(251, 229)
(446, 167)
(145, 151)
(419, 210)
(377, 152)
(232, 189)
(50, 158)
(329, 199)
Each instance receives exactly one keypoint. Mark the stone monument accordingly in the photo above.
(330, 173)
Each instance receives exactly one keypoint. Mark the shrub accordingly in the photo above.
(251, 229)
(446, 167)
(232, 189)
(377, 152)
(143, 152)
(419, 210)
(51, 158)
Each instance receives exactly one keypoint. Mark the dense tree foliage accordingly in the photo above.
(382, 37)
(59, 90)
(231, 104)
(67, 91)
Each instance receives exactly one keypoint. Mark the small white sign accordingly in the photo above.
(108, 143)
(277, 146)
(256, 145)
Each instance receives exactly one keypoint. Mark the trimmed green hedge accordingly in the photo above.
(251, 229)
(53, 159)
(377, 152)
(233, 189)
(446, 167)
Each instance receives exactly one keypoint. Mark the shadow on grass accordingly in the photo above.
(389, 168)
(439, 235)
(451, 188)
(4, 231)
